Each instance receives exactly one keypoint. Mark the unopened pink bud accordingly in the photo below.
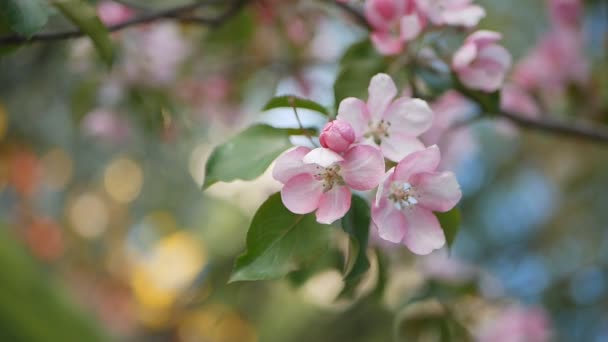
(337, 135)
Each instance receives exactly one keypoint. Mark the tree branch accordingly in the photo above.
(177, 12)
(354, 13)
(581, 130)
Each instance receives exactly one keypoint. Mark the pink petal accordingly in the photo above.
(381, 13)
(386, 43)
(363, 167)
(398, 145)
(390, 221)
(498, 54)
(354, 111)
(322, 156)
(409, 116)
(423, 234)
(290, 164)
(411, 26)
(482, 38)
(437, 191)
(464, 56)
(468, 16)
(302, 193)
(333, 205)
(384, 184)
(426, 160)
(382, 90)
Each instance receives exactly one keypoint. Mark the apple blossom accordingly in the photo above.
(337, 135)
(452, 12)
(393, 22)
(393, 124)
(566, 13)
(112, 13)
(516, 100)
(320, 179)
(405, 201)
(481, 63)
(517, 324)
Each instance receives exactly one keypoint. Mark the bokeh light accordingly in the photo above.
(123, 180)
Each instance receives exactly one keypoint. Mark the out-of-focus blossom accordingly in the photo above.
(481, 63)
(337, 135)
(441, 266)
(45, 239)
(517, 324)
(24, 172)
(403, 210)
(452, 12)
(112, 13)
(556, 61)
(516, 100)
(455, 143)
(394, 23)
(320, 179)
(106, 125)
(153, 54)
(393, 124)
(566, 13)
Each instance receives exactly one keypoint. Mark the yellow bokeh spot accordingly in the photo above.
(88, 215)
(161, 276)
(123, 180)
(58, 168)
(216, 323)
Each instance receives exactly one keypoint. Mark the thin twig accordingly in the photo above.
(305, 131)
(170, 13)
(354, 13)
(597, 133)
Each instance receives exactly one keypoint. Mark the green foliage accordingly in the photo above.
(356, 224)
(289, 101)
(279, 242)
(83, 15)
(24, 17)
(247, 155)
(450, 223)
(357, 66)
(31, 308)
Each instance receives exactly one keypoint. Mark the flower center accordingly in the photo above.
(330, 176)
(403, 195)
(378, 131)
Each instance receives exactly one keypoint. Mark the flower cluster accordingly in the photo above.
(352, 157)
(480, 63)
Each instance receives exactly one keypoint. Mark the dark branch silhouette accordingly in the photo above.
(178, 13)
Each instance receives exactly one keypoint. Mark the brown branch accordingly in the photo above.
(170, 13)
(581, 130)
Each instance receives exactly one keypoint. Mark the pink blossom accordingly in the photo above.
(455, 142)
(556, 61)
(106, 125)
(452, 12)
(153, 54)
(394, 22)
(405, 201)
(393, 124)
(320, 179)
(566, 13)
(337, 135)
(481, 63)
(112, 13)
(517, 324)
(516, 100)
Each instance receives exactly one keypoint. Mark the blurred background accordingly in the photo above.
(105, 233)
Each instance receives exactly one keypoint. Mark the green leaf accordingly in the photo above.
(353, 79)
(289, 101)
(359, 51)
(247, 155)
(489, 102)
(24, 17)
(356, 224)
(83, 15)
(450, 223)
(279, 242)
